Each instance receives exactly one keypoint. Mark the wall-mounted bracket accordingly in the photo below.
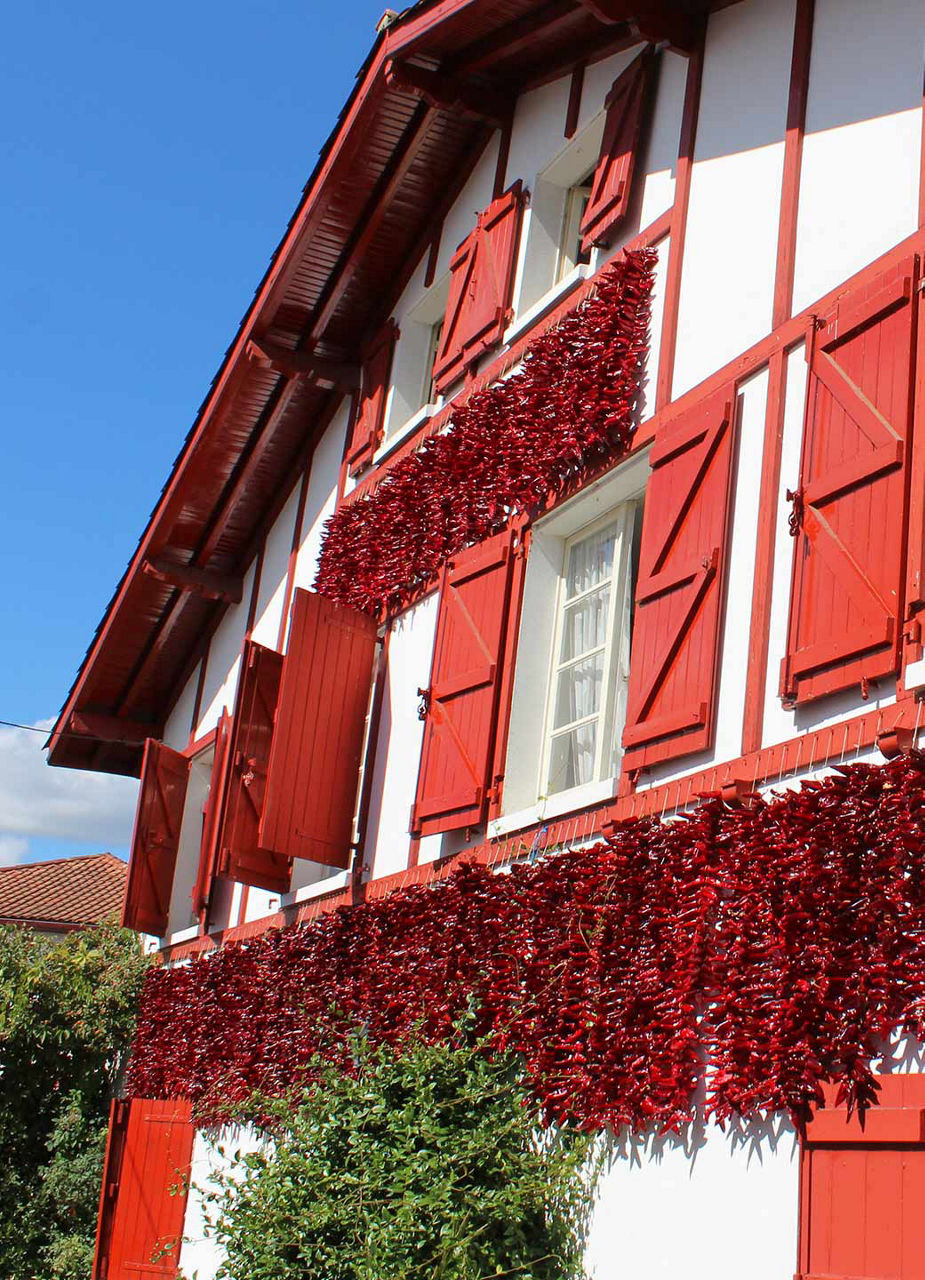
(228, 588)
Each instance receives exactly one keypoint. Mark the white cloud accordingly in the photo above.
(13, 849)
(71, 804)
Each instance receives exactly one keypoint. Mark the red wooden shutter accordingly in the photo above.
(454, 781)
(240, 855)
(318, 740)
(370, 414)
(481, 280)
(143, 1201)
(862, 1190)
(208, 853)
(850, 506)
(679, 595)
(156, 839)
(612, 184)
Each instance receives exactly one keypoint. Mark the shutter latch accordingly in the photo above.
(795, 520)
(424, 704)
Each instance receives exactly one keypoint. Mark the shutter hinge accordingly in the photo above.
(493, 794)
(424, 704)
(920, 287)
(912, 631)
(795, 519)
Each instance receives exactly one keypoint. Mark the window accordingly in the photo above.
(590, 669)
(429, 393)
(571, 254)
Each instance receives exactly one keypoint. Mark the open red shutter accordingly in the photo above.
(481, 281)
(679, 595)
(318, 740)
(611, 186)
(454, 781)
(240, 855)
(156, 839)
(370, 415)
(208, 853)
(850, 506)
(862, 1189)
(143, 1201)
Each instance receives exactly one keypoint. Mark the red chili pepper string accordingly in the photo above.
(778, 944)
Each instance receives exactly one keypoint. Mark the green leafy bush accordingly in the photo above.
(67, 1015)
(427, 1162)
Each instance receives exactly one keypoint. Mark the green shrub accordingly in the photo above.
(427, 1163)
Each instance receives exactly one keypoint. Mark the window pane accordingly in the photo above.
(578, 690)
(571, 760)
(590, 562)
(584, 625)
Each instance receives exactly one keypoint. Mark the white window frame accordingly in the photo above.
(607, 751)
(576, 201)
(525, 800)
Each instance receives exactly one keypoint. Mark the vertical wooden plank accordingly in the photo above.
(573, 110)
(793, 161)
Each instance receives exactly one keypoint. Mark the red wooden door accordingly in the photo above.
(240, 855)
(156, 839)
(462, 702)
(370, 414)
(849, 517)
(612, 184)
(671, 704)
(481, 281)
(318, 739)
(144, 1195)
(863, 1190)
(208, 852)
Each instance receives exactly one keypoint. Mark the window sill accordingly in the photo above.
(407, 428)
(549, 299)
(183, 935)
(914, 674)
(330, 884)
(553, 807)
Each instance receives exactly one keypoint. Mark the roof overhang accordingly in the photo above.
(403, 146)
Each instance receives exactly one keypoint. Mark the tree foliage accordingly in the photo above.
(67, 1015)
(425, 1162)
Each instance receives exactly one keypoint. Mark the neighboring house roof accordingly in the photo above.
(63, 893)
(383, 182)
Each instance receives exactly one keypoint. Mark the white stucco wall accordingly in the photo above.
(214, 1155)
(398, 744)
(859, 186)
(699, 1206)
(727, 282)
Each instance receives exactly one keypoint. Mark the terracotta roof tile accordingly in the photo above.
(78, 890)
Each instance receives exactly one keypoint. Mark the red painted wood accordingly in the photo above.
(208, 852)
(318, 738)
(370, 413)
(481, 279)
(849, 552)
(459, 733)
(240, 856)
(612, 184)
(862, 1190)
(144, 1197)
(156, 839)
(679, 595)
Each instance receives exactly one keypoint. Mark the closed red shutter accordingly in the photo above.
(679, 596)
(481, 281)
(863, 1190)
(370, 415)
(208, 853)
(318, 740)
(240, 856)
(156, 839)
(143, 1201)
(612, 184)
(459, 734)
(850, 505)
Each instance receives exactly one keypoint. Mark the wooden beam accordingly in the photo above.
(305, 364)
(367, 226)
(448, 95)
(112, 729)
(202, 582)
(509, 41)
(659, 24)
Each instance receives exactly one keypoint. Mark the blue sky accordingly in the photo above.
(151, 158)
